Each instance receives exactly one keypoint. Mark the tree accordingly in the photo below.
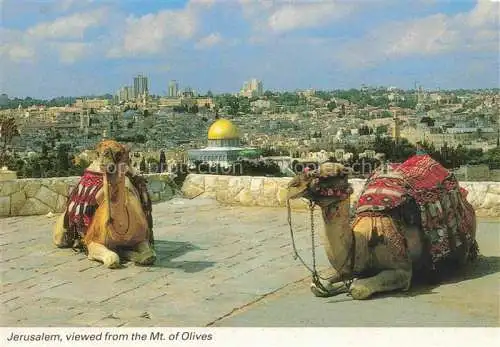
(381, 129)
(331, 106)
(8, 130)
(142, 165)
(163, 161)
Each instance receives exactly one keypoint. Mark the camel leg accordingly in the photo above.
(143, 254)
(384, 281)
(59, 234)
(100, 253)
(330, 287)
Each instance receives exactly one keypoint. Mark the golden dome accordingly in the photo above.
(223, 129)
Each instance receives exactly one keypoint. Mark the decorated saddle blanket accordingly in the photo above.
(82, 203)
(446, 216)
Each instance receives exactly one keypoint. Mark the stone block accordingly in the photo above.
(7, 175)
(235, 186)
(194, 185)
(4, 206)
(9, 187)
(47, 196)
(32, 187)
(211, 183)
(60, 186)
(34, 207)
(256, 186)
(17, 201)
(245, 198)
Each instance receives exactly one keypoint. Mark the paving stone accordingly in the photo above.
(211, 260)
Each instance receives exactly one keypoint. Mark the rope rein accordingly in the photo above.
(316, 277)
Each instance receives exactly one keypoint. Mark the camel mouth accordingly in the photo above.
(297, 187)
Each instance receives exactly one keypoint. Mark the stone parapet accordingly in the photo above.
(271, 192)
(36, 196)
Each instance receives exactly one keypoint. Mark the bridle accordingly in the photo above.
(316, 277)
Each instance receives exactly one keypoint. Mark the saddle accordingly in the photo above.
(82, 205)
(446, 217)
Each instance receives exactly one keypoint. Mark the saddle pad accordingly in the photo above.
(82, 204)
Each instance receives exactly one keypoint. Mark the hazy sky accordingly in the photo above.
(79, 47)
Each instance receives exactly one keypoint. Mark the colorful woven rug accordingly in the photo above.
(447, 217)
(82, 203)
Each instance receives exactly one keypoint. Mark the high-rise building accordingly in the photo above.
(173, 89)
(125, 93)
(140, 86)
(252, 88)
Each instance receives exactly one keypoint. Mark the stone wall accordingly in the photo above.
(36, 196)
(271, 192)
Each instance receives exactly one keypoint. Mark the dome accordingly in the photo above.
(223, 129)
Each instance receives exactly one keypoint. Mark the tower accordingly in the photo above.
(140, 86)
(173, 89)
(396, 128)
(85, 121)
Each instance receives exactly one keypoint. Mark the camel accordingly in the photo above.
(382, 249)
(105, 213)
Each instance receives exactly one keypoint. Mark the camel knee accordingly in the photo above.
(385, 281)
(100, 253)
(59, 234)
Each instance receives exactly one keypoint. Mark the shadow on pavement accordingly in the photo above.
(168, 250)
(482, 266)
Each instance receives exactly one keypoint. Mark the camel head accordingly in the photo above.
(324, 186)
(113, 159)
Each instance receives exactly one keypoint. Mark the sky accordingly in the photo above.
(84, 47)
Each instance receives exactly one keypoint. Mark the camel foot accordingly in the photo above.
(145, 258)
(100, 253)
(328, 290)
(360, 292)
(111, 261)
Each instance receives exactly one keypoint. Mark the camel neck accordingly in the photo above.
(337, 236)
(115, 196)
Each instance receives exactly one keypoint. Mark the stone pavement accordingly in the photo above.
(218, 266)
(212, 260)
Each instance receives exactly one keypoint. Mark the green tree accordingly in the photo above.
(8, 130)
(331, 106)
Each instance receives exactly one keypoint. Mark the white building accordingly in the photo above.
(173, 89)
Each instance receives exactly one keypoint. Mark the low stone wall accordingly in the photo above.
(271, 192)
(36, 196)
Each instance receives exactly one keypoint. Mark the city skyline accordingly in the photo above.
(68, 47)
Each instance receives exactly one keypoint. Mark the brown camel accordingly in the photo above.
(379, 251)
(119, 226)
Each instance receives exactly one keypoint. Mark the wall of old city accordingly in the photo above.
(271, 192)
(38, 196)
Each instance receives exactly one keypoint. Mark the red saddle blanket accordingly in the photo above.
(447, 218)
(82, 204)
